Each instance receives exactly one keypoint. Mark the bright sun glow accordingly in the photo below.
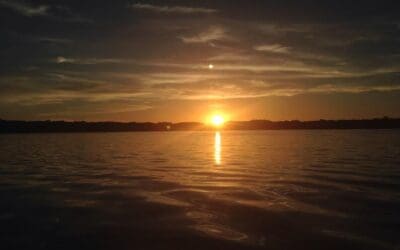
(217, 120)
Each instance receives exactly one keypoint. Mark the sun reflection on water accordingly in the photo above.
(217, 148)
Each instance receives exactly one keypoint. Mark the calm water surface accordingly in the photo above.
(201, 190)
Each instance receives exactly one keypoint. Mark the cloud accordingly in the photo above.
(247, 89)
(61, 59)
(230, 57)
(160, 79)
(330, 88)
(87, 61)
(26, 9)
(103, 87)
(56, 12)
(172, 9)
(273, 48)
(54, 40)
(60, 96)
(214, 33)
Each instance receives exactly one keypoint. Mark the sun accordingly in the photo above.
(217, 120)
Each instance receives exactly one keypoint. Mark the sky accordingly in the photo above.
(150, 60)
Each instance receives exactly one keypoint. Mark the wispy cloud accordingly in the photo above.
(54, 40)
(172, 9)
(214, 33)
(273, 48)
(61, 96)
(56, 12)
(26, 9)
(230, 57)
(61, 59)
(161, 79)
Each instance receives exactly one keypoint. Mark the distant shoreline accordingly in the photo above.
(12, 126)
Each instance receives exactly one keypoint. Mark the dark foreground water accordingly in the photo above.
(201, 190)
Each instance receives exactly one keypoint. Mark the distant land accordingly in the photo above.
(11, 126)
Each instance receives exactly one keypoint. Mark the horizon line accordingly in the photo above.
(171, 122)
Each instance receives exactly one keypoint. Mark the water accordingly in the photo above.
(201, 190)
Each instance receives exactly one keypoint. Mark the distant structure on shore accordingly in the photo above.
(9, 126)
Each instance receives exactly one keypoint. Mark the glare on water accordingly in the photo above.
(217, 148)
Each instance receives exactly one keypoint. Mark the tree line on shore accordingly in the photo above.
(13, 126)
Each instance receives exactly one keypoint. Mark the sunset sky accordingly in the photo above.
(151, 60)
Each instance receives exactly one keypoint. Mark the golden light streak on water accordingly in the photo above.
(217, 148)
